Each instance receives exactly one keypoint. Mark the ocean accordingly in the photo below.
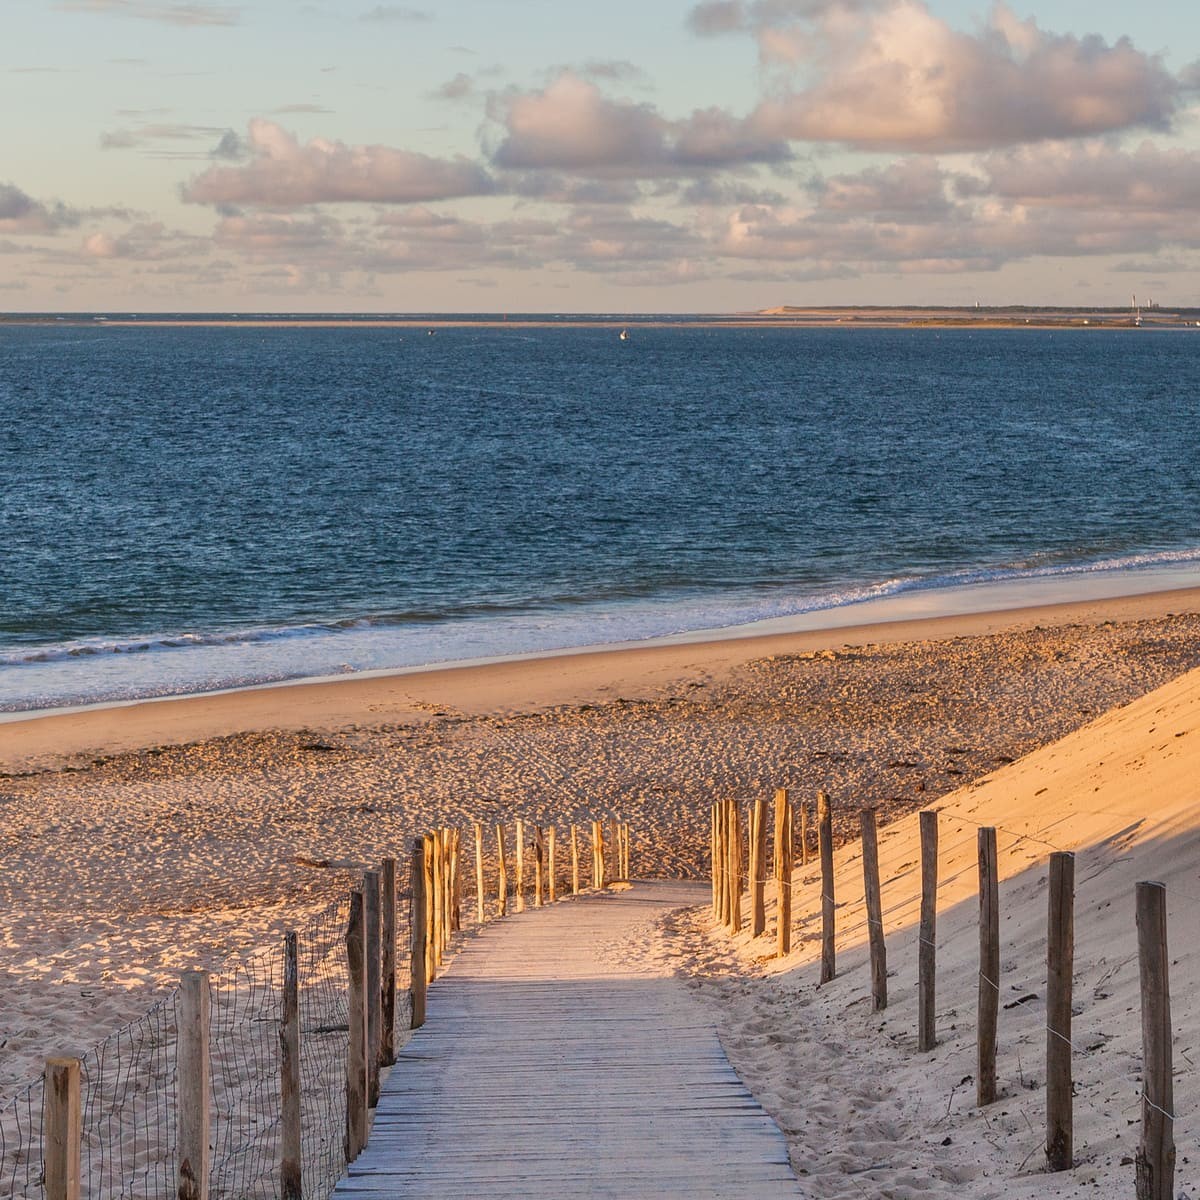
(189, 509)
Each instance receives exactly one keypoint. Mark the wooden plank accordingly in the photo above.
(519, 884)
(387, 938)
(502, 874)
(480, 906)
(373, 979)
(548, 1068)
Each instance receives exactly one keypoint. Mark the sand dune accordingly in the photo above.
(866, 1113)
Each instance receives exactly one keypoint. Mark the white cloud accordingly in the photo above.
(283, 173)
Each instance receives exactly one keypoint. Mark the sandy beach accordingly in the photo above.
(142, 840)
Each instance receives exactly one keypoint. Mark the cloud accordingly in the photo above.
(171, 13)
(146, 241)
(396, 12)
(458, 88)
(283, 173)
(572, 126)
(20, 213)
(143, 136)
(901, 78)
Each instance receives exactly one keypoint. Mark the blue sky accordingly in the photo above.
(533, 155)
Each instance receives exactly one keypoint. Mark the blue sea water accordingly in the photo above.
(185, 509)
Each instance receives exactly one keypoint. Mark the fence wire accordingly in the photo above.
(21, 1144)
(127, 1096)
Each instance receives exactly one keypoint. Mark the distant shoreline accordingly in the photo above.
(784, 317)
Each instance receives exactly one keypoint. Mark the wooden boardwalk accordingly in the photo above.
(548, 1067)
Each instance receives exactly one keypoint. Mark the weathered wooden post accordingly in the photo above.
(989, 967)
(1155, 1161)
(1060, 967)
(291, 1179)
(194, 1086)
(783, 873)
(574, 860)
(714, 868)
(480, 906)
(431, 909)
(874, 905)
(804, 855)
(502, 874)
(62, 1133)
(737, 841)
(597, 854)
(372, 932)
(828, 908)
(456, 880)
(552, 893)
(927, 948)
(387, 936)
(419, 931)
(625, 844)
(357, 1050)
(519, 895)
(721, 863)
(615, 840)
(758, 869)
(539, 867)
(438, 900)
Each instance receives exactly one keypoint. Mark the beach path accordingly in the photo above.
(558, 1061)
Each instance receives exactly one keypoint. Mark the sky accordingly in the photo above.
(562, 156)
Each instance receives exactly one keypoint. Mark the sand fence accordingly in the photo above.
(256, 1080)
(739, 846)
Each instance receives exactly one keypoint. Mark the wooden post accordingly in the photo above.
(783, 873)
(733, 883)
(989, 967)
(927, 948)
(552, 894)
(63, 1130)
(431, 908)
(825, 841)
(625, 846)
(193, 1086)
(739, 841)
(714, 869)
(615, 853)
(1060, 967)
(574, 860)
(598, 854)
(804, 856)
(419, 931)
(387, 935)
(480, 907)
(758, 869)
(539, 867)
(291, 1179)
(1155, 1161)
(356, 1052)
(502, 874)
(444, 839)
(372, 928)
(720, 862)
(520, 881)
(456, 881)
(874, 905)
(437, 900)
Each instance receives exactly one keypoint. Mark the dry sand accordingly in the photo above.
(138, 841)
(865, 1113)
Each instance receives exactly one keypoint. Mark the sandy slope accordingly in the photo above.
(866, 1114)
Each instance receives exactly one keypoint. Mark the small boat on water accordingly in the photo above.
(624, 335)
